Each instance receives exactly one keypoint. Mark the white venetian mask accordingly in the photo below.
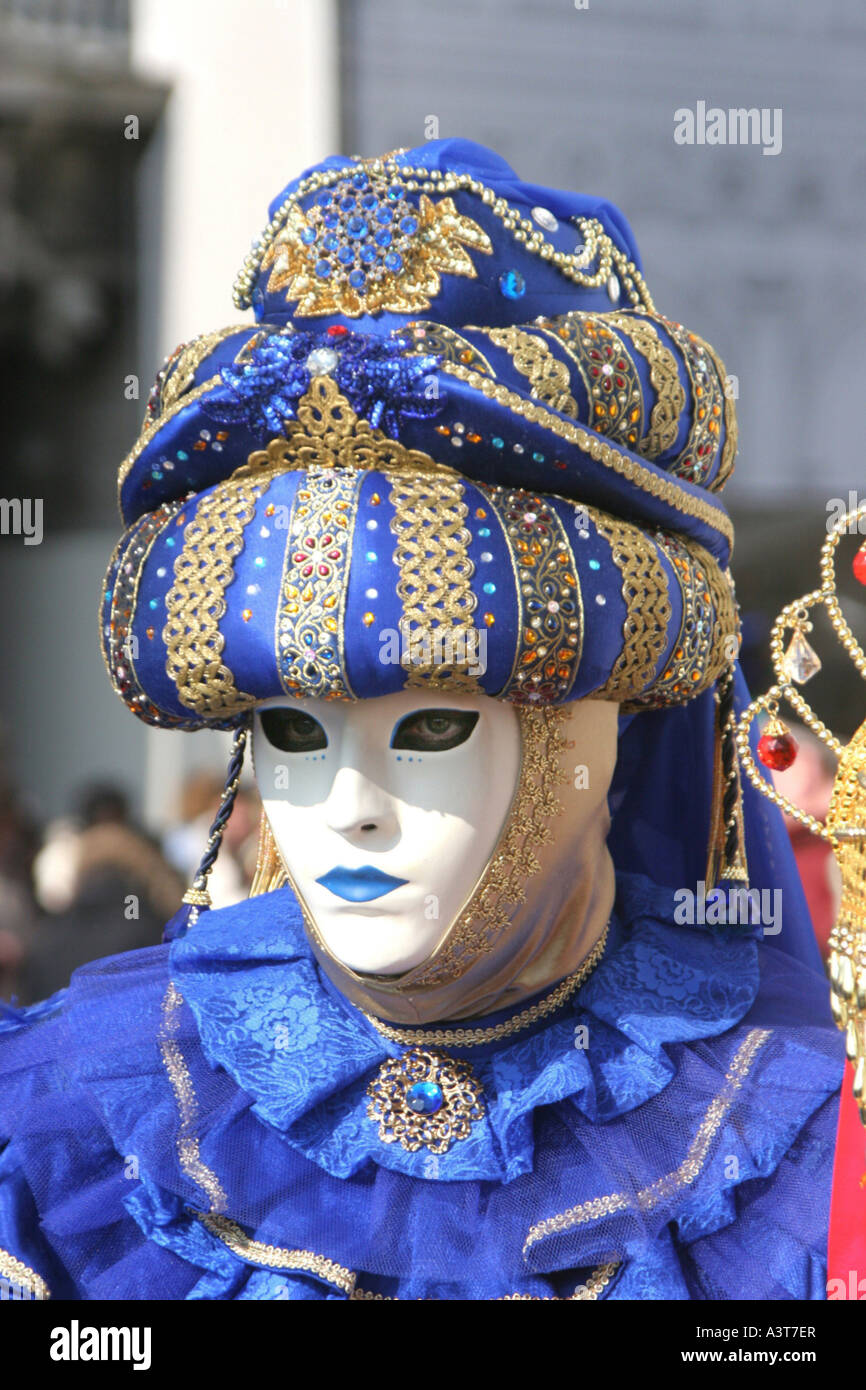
(386, 812)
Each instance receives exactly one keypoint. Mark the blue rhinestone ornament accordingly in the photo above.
(425, 1100)
(364, 245)
(384, 379)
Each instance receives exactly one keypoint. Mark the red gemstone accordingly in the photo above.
(337, 331)
(859, 565)
(777, 751)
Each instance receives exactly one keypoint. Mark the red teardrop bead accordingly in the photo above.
(777, 751)
(859, 565)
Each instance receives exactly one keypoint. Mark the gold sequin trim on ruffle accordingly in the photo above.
(648, 1198)
(188, 1153)
(477, 1037)
(656, 486)
(21, 1276)
(584, 1293)
(273, 1256)
(648, 608)
(514, 861)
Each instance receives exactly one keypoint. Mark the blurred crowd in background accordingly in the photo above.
(95, 883)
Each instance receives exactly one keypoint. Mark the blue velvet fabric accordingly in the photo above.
(677, 1114)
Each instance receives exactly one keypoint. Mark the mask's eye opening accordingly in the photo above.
(434, 730)
(292, 731)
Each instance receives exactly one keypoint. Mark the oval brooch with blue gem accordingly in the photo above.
(424, 1100)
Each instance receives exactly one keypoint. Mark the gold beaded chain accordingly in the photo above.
(447, 181)
(794, 618)
(476, 1037)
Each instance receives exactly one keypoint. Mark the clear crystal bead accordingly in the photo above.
(800, 662)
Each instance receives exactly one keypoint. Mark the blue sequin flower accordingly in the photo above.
(382, 381)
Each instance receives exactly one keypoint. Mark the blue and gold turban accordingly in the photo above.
(459, 446)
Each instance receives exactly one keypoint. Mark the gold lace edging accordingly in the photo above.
(273, 1256)
(187, 1143)
(647, 1198)
(648, 608)
(17, 1273)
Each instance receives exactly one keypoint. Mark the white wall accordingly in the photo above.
(254, 101)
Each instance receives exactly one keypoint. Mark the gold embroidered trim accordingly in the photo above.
(187, 1103)
(273, 1256)
(513, 863)
(613, 388)
(311, 624)
(476, 1037)
(729, 448)
(670, 396)
(436, 631)
(195, 603)
(662, 488)
(698, 454)
(549, 600)
(588, 1292)
(460, 1103)
(549, 378)
(447, 343)
(647, 1198)
(22, 1276)
(328, 434)
(648, 608)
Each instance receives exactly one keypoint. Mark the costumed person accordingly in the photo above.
(442, 530)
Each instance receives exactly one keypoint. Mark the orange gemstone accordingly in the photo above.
(270, 509)
(375, 499)
(368, 619)
(489, 619)
(442, 429)
(222, 435)
(200, 444)
(149, 634)
(247, 614)
(480, 513)
(474, 438)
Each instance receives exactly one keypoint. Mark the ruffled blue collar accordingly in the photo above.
(306, 1056)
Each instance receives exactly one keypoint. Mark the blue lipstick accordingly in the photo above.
(360, 885)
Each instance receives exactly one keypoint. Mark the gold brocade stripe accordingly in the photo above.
(446, 342)
(613, 389)
(273, 1256)
(188, 362)
(438, 639)
(187, 1104)
(647, 1198)
(707, 389)
(548, 378)
(151, 431)
(195, 603)
(584, 1293)
(661, 488)
(670, 395)
(648, 608)
(19, 1274)
(476, 1037)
